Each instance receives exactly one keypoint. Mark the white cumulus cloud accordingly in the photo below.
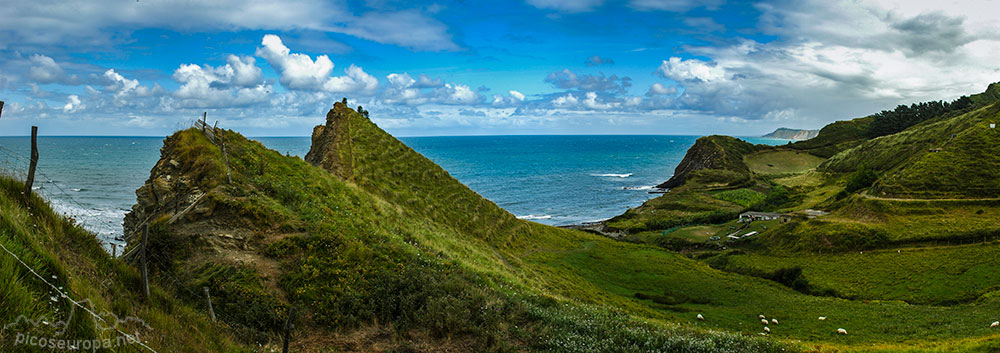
(300, 72)
(691, 70)
(73, 104)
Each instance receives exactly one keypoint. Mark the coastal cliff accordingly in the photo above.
(792, 134)
(712, 159)
(331, 143)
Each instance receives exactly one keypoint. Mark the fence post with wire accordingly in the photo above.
(34, 162)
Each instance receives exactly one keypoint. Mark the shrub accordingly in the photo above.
(862, 178)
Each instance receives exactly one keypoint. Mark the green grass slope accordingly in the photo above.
(408, 259)
(781, 162)
(965, 167)
(892, 151)
(835, 137)
(443, 269)
(70, 258)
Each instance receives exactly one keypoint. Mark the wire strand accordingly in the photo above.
(74, 302)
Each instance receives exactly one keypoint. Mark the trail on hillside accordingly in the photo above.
(865, 195)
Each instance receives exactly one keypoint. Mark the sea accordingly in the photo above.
(556, 180)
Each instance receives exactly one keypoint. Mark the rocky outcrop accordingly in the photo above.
(712, 153)
(170, 190)
(331, 143)
(185, 193)
(792, 134)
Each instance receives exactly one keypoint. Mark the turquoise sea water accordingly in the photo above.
(548, 179)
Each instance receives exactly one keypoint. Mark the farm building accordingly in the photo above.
(751, 216)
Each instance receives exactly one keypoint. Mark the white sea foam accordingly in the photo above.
(647, 187)
(106, 222)
(626, 175)
(531, 216)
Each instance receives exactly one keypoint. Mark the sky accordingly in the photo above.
(673, 67)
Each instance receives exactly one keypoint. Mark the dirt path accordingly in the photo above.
(865, 195)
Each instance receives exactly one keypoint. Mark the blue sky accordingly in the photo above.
(270, 68)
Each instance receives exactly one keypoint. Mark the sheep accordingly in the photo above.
(821, 318)
(763, 321)
(995, 324)
(767, 329)
(774, 321)
(701, 317)
(760, 316)
(841, 331)
(763, 334)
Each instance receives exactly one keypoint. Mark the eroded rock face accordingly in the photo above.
(167, 191)
(331, 143)
(711, 152)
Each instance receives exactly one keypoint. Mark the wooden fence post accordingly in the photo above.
(114, 250)
(204, 121)
(1, 108)
(225, 156)
(208, 298)
(34, 161)
(288, 329)
(142, 259)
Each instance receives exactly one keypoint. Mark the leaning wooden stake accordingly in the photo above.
(142, 259)
(34, 161)
(1, 108)
(225, 157)
(208, 298)
(114, 250)
(288, 329)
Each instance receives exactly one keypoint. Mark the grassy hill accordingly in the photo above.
(713, 160)
(904, 219)
(835, 137)
(70, 258)
(401, 256)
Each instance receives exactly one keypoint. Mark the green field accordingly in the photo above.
(781, 162)
(948, 275)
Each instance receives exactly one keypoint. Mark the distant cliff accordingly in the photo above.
(792, 134)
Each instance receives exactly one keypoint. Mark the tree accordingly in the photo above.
(862, 178)
(888, 122)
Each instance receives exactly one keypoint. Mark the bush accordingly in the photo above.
(862, 178)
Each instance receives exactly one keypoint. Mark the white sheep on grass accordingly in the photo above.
(701, 317)
(774, 321)
(995, 324)
(760, 316)
(763, 321)
(767, 329)
(821, 318)
(841, 331)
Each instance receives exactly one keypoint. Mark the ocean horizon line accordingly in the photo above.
(407, 136)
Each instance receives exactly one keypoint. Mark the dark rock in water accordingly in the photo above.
(331, 143)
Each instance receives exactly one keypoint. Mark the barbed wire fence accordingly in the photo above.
(14, 165)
